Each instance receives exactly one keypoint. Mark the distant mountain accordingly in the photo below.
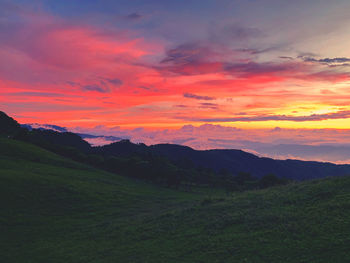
(234, 161)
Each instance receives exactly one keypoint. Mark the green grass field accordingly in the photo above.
(56, 210)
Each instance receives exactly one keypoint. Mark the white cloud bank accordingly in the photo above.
(328, 145)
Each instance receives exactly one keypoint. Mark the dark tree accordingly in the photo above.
(269, 180)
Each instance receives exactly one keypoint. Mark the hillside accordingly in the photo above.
(8, 126)
(57, 210)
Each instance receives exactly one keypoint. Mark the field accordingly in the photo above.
(57, 210)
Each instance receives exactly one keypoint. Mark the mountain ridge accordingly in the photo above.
(235, 161)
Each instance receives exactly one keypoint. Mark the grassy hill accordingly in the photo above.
(57, 210)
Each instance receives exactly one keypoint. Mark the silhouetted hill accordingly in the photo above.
(8, 126)
(66, 139)
(234, 161)
(122, 148)
(42, 137)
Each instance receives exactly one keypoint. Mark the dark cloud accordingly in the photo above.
(115, 81)
(339, 61)
(208, 56)
(207, 105)
(134, 16)
(98, 88)
(38, 94)
(72, 83)
(197, 59)
(259, 68)
(313, 117)
(193, 58)
(187, 53)
(286, 57)
(144, 87)
(255, 51)
(181, 106)
(197, 97)
(103, 86)
(150, 88)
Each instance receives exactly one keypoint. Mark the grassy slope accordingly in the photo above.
(56, 210)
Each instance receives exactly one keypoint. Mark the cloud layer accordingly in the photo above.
(306, 144)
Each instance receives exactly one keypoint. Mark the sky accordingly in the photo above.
(158, 67)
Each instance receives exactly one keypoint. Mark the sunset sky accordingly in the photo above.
(156, 65)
